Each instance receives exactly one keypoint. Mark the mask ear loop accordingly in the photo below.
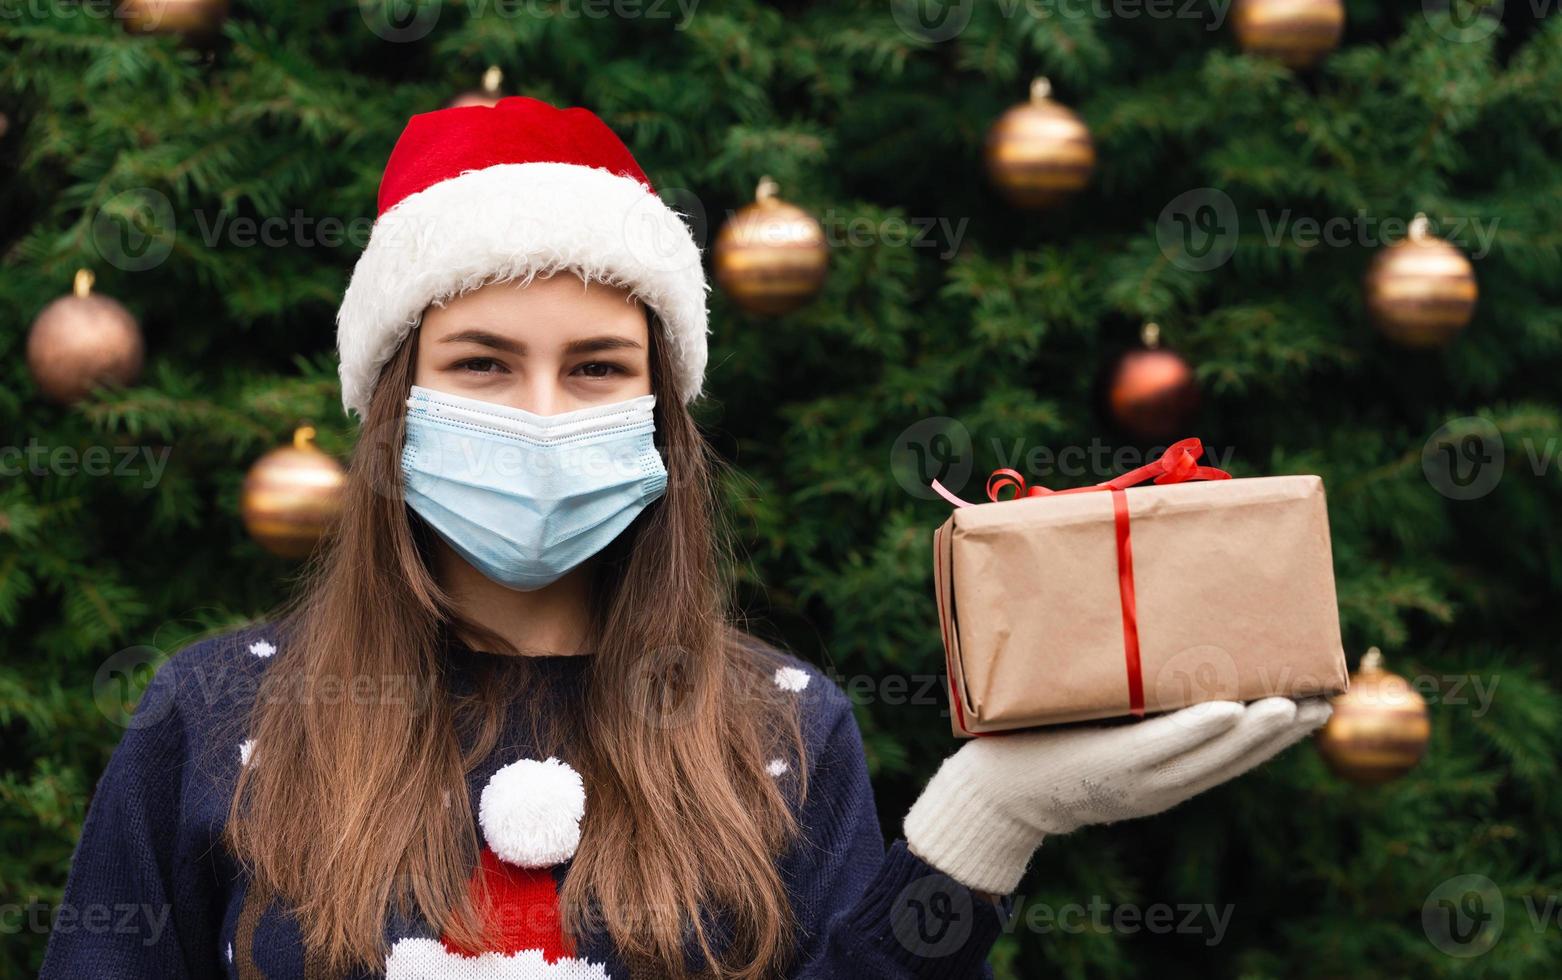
(412, 338)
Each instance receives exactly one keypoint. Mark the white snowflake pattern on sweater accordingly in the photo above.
(792, 679)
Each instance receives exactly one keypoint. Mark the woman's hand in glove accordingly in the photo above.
(988, 807)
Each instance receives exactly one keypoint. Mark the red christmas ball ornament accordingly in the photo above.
(1153, 392)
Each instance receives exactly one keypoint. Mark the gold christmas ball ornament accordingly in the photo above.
(1421, 290)
(82, 341)
(1379, 729)
(489, 95)
(1039, 153)
(771, 257)
(292, 497)
(1153, 393)
(190, 19)
(1296, 33)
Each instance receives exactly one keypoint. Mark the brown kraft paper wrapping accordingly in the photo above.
(1234, 585)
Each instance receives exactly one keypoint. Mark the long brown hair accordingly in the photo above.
(343, 812)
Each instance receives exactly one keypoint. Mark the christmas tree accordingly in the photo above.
(220, 187)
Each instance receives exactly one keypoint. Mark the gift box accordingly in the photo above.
(1122, 599)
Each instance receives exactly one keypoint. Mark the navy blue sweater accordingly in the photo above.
(152, 892)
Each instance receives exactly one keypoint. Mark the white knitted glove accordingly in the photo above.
(988, 807)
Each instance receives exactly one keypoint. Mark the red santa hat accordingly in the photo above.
(482, 194)
(530, 813)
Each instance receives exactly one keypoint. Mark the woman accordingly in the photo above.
(508, 728)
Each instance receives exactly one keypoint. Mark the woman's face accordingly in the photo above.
(553, 346)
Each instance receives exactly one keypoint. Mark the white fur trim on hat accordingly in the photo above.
(530, 812)
(516, 221)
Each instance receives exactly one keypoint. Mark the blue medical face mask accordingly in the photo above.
(524, 498)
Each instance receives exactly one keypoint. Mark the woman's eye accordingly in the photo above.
(599, 369)
(480, 365)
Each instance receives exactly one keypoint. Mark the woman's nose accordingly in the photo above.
(539, 394)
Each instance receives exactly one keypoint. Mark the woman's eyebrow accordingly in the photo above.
(498, 342)
(589, 345)
(486, 339)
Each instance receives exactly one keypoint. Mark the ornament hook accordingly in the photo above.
(1372, 660)
(492, 79)
(1419, 227)
(83, 284)
(1040, 89)
(1151, 335)
(767, 189)
(304, 438)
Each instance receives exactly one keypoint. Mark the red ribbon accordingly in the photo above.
(1179, 464)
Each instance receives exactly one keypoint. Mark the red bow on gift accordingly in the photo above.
(1179, 464)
